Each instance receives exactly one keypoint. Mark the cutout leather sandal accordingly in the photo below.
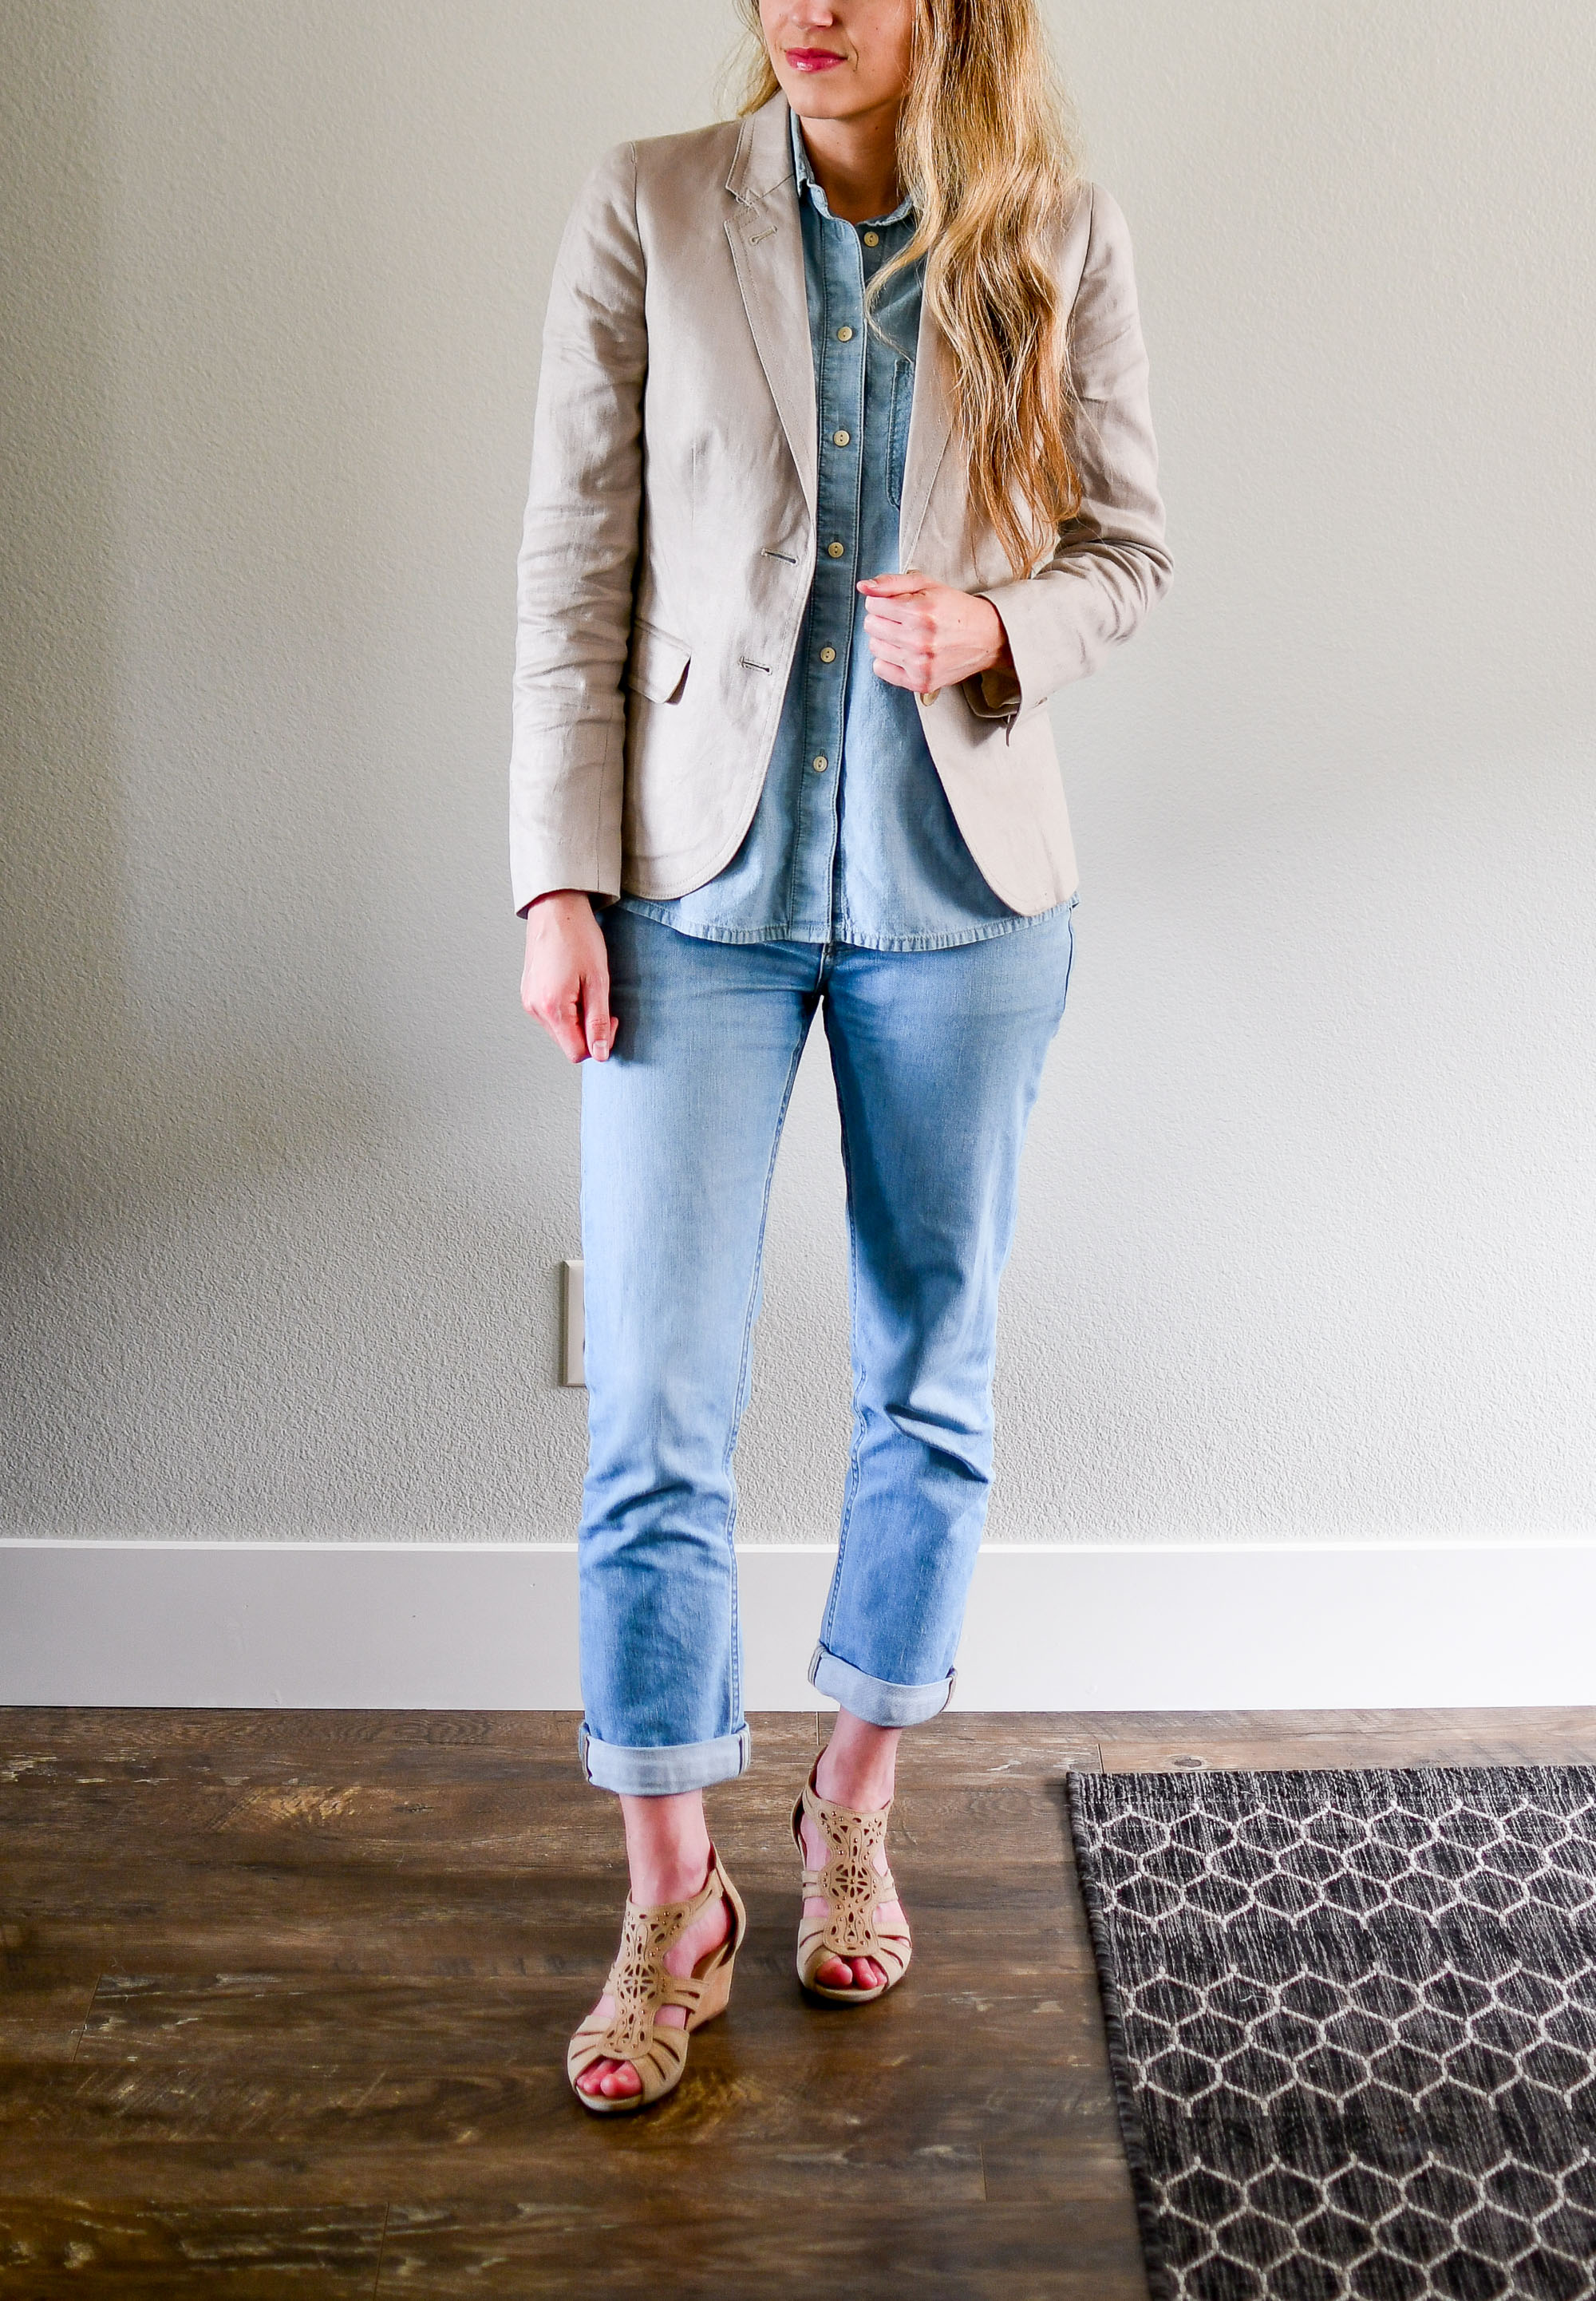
(851, 1886)
(640, 1986)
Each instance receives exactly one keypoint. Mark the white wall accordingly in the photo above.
(1308, 1243)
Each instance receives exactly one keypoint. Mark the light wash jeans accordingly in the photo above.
(936, 1056)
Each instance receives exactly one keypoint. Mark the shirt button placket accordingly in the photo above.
(842, 418)
(840, 412)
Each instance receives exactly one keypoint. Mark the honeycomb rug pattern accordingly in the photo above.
(1352, 2019)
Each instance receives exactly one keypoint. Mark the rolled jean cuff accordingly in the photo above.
(877, 1700)
(666, 1770)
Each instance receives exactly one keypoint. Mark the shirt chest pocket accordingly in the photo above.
(898, 427)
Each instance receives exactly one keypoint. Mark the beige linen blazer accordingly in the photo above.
(669, 543)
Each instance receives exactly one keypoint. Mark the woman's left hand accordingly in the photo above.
(927, 636)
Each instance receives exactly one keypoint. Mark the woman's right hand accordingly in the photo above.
(565, 982)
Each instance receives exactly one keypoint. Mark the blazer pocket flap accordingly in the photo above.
(658, 664)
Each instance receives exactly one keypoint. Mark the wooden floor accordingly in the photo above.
(286, 1999)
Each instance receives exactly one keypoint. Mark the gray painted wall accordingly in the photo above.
(1307, 1246)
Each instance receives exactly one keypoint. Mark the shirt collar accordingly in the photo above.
(808, 181)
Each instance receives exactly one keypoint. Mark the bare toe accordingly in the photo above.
(621, 2081)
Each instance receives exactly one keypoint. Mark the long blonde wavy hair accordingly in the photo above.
(985, 148)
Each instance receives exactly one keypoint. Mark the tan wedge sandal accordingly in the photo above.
(851, 1886)
(640, 1986)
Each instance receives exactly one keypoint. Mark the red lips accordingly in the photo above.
(811, 60)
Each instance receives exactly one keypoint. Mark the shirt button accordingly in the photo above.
(844, 335)
(828, 655)
(840, 439)
(871, 237)
(821, 763)
(833, 551)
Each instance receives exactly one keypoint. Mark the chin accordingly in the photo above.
(811, 101)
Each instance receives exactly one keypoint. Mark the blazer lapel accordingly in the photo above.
(768, 249)
(766, 239)
(930, 427)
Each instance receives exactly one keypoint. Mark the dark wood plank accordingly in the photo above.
(1154, 1740)
(963, 1749)
(211, 1740)
(1056, 2169)
(252, 1732)
(44, 2004)
(309, 2019)
(1378, 1739)
(542, 2166)
(146, 2253)
(437, 1927)
(717, 2247)
(969, 2067)
(1539, 1724)
(383, 1805)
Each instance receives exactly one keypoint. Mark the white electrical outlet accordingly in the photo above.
(572, 1370)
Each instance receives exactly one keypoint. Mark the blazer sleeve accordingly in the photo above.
(1110, 564)
(578, 549)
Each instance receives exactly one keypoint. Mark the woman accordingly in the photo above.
(843, 467)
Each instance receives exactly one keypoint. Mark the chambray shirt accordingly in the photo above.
(853, 839)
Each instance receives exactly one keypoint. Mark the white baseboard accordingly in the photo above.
(445, 1626)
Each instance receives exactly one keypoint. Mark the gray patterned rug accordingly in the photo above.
(1352, 2019)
